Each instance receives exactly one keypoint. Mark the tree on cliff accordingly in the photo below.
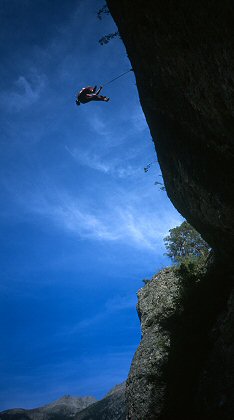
(184, 241)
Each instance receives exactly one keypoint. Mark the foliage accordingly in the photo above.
(103, 11)
(185, 242)
(147, 167)
(160, 184)
(192, 267)
(106, 38)
(146, 281)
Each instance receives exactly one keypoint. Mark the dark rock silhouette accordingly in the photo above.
(112, 407)
(182, 54)
(63, 408)
(184, 348)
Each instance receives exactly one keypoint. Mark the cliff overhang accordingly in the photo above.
(182, 54)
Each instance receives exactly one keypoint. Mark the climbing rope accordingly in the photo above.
(110, 81)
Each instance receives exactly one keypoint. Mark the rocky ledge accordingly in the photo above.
(183, 367)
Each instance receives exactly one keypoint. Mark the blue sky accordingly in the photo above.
(81, 222)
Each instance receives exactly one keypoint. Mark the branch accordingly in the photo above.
(106, 38)
(103, 11)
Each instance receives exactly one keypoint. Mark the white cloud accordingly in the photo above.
(137, 119)
(26, 92)
(113, 167)
(99, 125)
(131, 122)
(136, 223)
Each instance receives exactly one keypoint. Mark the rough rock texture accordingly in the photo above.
(183, 367)
(215, 390)
(112, 407)
(182, 54)
(61, 409)
(147, 382)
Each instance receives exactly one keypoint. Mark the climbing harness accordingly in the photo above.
(112, 80)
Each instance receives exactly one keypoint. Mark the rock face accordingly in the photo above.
(215, 389)
(112, 407)
(147, 382)
(182, 54)
(61, 409)
(184, 367)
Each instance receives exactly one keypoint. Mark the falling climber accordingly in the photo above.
(88, 94)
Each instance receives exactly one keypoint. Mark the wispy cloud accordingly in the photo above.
(25, 92)
(137, 119)
(135, 223)
(119, 303)
(113, 167)
(99, 126)
(133, 122)
(112, 306)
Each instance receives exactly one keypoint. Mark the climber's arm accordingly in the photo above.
(99, 90)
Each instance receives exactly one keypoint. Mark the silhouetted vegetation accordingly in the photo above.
(184, 242)
(106, 38)
(103, 11)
